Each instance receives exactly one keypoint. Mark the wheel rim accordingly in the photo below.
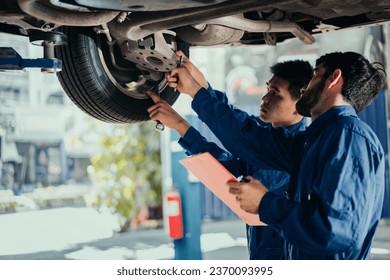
(126, 77)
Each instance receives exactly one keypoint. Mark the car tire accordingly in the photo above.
(89, 83)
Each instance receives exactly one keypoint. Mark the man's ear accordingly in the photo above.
(335, 78)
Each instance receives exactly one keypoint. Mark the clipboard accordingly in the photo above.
(215, 176)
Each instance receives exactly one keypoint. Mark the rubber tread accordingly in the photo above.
(94, 94)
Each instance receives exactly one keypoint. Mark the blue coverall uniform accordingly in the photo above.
(337, 177)
(264, 243)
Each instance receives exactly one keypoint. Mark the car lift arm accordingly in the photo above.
(10, 60)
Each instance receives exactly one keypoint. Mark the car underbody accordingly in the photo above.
(134, 42)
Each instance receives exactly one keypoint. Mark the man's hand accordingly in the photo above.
(164, 113)
(194, 71)
(181, 79)
(187, 78)
(248, 195)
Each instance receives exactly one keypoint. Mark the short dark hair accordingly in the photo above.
(297, 72)
(362, 80)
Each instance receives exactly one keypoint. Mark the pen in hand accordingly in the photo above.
(179, 65)
(242, 179)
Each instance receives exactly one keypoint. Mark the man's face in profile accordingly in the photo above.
(311, 94)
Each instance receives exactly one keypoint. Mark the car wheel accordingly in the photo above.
(102, 83)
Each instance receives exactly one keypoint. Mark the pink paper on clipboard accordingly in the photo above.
(215, 176)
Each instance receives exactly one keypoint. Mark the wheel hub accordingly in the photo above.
(155, 53)
(152, 56)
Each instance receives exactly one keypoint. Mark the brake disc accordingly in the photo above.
(154, 54)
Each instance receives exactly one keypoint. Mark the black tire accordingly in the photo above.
(88, 85)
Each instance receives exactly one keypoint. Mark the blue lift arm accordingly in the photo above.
(10, 60)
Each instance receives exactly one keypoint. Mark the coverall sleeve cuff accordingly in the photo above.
(199, 97)
(265, 205)
(189, 138)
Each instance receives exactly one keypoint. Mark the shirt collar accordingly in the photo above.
(328, 117)
(301, 125)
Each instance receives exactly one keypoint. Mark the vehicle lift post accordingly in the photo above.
(175, 176)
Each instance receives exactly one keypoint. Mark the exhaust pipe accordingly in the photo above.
(241, 23)
(54, 15)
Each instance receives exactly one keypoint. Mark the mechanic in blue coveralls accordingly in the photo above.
(337, 164)
(277, 109)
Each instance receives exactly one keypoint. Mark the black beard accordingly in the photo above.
(310, 99)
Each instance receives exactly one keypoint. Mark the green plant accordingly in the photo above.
(127, 172)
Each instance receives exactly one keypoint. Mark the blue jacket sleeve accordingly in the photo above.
(194, 143)
(218, 94)
(257, 144)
